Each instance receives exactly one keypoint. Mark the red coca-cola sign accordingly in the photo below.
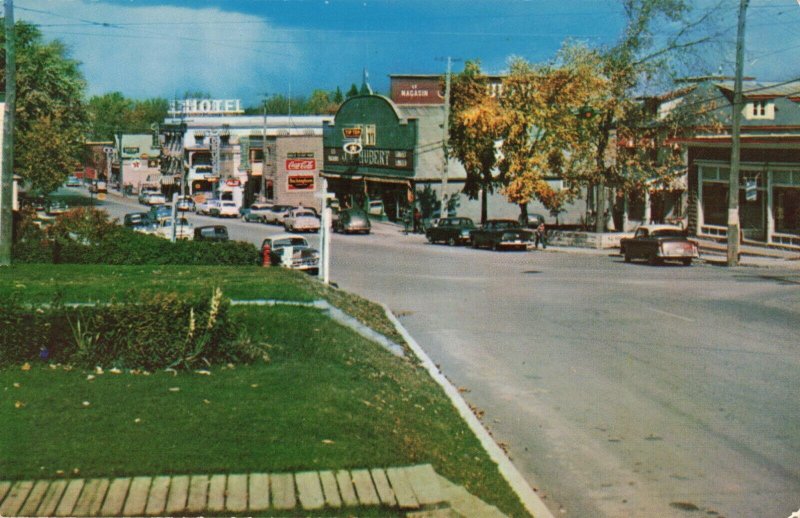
(301, 164)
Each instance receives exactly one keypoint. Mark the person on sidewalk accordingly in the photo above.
(540, 236)
(417, 220)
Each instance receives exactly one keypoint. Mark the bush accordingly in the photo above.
(165, 331)
(85, 236)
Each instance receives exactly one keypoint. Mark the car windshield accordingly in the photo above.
(668, 232)
(504, 224)
(294, 241)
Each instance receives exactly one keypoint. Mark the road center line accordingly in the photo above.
(667, 313)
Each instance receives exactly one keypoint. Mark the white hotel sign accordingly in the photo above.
(205, 107)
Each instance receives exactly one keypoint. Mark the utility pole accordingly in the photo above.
(7, 176)
(446, 137)
(263, 196)
(736, 125)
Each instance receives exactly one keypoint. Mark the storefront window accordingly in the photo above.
(715, 204)
(787, 210)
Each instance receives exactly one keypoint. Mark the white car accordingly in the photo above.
(155, 198)
(301, 220)
(276, 214)
(206, 206)
(227, 209)
(183, 229)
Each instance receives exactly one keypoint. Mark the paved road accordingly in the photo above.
(619, 389)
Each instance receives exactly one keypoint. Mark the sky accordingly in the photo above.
(246, 49)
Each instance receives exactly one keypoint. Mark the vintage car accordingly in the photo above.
(211, 233)
(136, 219)
(659, 243)
(57, 207)
(291, 251)
(159, 213)
(276, 214)
(350, 221)
(452, 231)
(73, 181)
(301, 220)
(183, 229)
(255, 212)
(498, 234)
(226, 209)
(185, 204)
(207, 206)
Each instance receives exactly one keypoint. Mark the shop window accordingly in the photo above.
(760, 110)
(787, 210)
(715, 204)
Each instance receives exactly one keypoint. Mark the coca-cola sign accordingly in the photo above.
(297, 164)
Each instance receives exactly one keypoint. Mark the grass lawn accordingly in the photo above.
(327, 398)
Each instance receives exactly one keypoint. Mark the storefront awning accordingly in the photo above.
(376, 179)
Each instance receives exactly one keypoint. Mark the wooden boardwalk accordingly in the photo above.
(416, 490)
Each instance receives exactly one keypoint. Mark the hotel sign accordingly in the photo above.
(380, 158)
(205, 107)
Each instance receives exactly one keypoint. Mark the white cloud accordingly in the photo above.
(150, 51)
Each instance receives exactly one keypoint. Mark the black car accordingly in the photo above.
(452, 231)
(501, 233)
(136, 219)
(211, 233)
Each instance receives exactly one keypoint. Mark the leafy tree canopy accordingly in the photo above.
(112, 113)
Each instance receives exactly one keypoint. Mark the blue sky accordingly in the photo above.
(247, 48)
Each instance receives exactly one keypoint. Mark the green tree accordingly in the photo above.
(476, 126)
(108, 113)
(338, 97)
(50, 117)
(353, 91)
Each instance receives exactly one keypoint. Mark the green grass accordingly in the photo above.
(327, 398)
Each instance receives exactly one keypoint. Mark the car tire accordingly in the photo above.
(430, 239)
(687, 262)
(654, 260)
(496, 247)
(451, 242)
(627, 257)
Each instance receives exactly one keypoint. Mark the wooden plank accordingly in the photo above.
(51, 498)
(137, 496)
(283, 491)
(309, 490)
(332, 498)
(16, 497)
(402, 488)
(364, 488)
(198, 494)
(346, 487)
(216, 493)
(384, 489)
(236, 501)
(35, 498)
(115, 497)
(178, 495)
(425, 484)
(94, 491)
(259, 492)
(157, 500)
(69, 498)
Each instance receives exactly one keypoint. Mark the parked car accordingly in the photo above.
(255, 212)
(659, 243)
(136, 219)
(207, 205)
(352, 221)
(57, 207)
(159, 213)
(154, 198)
(276, 214)
(303, 257)
(452, 231)
(145, 193)
(226, 209)
(501, 233)
(73, 181)
(376, 208)
(301, 220)
(185, 204)
(211, 233)
(183, 229)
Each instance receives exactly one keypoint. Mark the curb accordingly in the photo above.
(533, 504)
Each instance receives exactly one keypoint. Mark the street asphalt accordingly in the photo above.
(617, 389)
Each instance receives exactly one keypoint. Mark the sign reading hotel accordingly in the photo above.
(205, 107)
(300, 182)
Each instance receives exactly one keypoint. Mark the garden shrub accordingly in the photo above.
(86, 236)
(167, 330)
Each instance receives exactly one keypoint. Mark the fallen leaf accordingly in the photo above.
(173, 371)
(90, 377)
(19, 404)
(203, 372)
(114, 371)
(254, 385)
(145, 373)
(207, 402)
(60, 472)
(327, 441)
(16, 385)
(86, 403)
(98, 370)
(137, 420)
(53, 366)
(76, 471)
(174, 389)
(26, 366)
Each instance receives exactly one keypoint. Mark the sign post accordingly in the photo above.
(325, 234)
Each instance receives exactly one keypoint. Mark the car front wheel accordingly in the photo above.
(687, 262)
(627, 257)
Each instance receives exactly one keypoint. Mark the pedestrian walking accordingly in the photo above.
(417, 220)
(541, 236)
